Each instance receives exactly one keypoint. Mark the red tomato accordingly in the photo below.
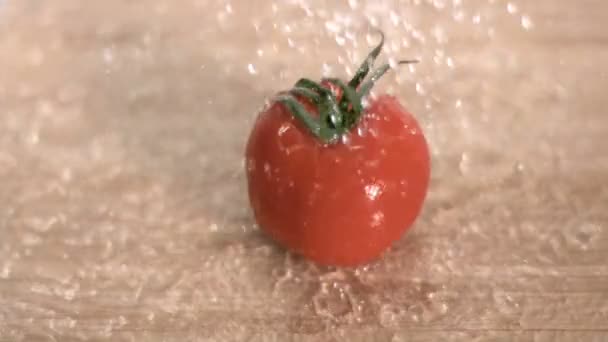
(340, 203)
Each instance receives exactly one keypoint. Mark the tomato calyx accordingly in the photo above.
(336, 114)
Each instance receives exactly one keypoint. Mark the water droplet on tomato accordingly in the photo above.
(284, 128)
(267, 169)
(250, 165)
(373, 191)
(377, 219)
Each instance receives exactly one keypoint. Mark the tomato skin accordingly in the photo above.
(341, 204)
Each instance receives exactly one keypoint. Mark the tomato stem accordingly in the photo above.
(336, 117)
(311, 95)
(350, 104)
(322, 132)
(367, 64)
(329, 112)
(376, 74)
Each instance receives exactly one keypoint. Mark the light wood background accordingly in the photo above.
(123, 214)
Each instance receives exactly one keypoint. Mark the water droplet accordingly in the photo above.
(464, 164)
(476, 19)
(394, 17)
(449, 62)
(284, 128)
(332, 26)
(122, 321)
(267, 169)
(377, 219)
(336, 301)
(5, 271)
(526, 22)
(251, 69)
(250, 165)
(420, 89)
(108, 55)
(361, 131)
(69, 294)
(373, 191)
(66, 174)
(459, 15)
(340, 40)
(326, 69)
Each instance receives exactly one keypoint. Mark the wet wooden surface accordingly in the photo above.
(124, 215)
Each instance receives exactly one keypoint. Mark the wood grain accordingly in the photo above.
(124, 215)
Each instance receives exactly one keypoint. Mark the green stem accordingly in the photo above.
(312, 85)
(328, 126)
(335, 118)
(311, 95)
(377, 74)
(367, 64)
(329, 112)
(300, 113)
(350, 104)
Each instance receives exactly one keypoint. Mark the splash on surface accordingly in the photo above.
(125, 215)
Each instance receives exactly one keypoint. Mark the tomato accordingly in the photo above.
(338, 195)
